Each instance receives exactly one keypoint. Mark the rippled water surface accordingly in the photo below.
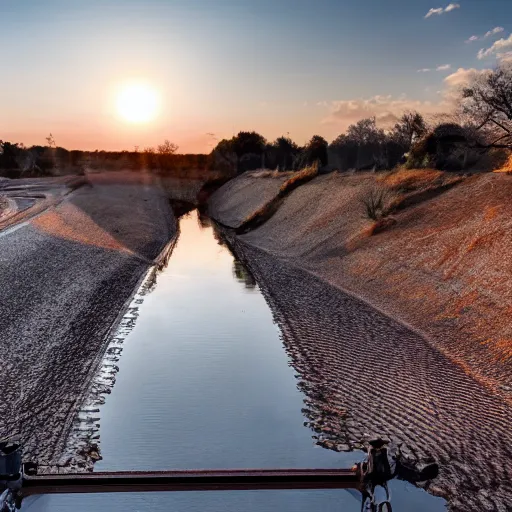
(205, 382)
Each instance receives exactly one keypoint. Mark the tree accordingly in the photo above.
(246, 143)
(371, 144)
(248, 149)
(365, 131)
(366, 146)
(315, 150)
(343, 152)
(409, 128)
(167, 148)
(9, 152)
(488, 102)
(51, 141)
(284, 151)
(224, 155)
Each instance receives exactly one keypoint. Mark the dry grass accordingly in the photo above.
(376, 201)
(416, 185)
(258, 217)
(506, 168)
(401, 189)
(379, 226)
(296, 178)
(267, 173)
(405, 180)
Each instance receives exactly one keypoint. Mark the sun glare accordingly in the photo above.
(138, 103)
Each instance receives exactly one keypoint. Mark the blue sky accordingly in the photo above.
(297, 66)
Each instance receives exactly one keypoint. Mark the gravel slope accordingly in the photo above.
(364, 374)
(445, 268)
(443, 385)
(65, 277)
(238, 198)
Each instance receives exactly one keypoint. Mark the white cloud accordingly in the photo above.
(493, 32)
(452, 7)
(387, 109)
(444, 67)
(500, 46)
(440, 10)
(462, 77)
(432, 12)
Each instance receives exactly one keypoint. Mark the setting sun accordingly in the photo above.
(138, 103)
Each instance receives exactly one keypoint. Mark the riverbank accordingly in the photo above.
(67, 273)
(358, 317)
(444, 267)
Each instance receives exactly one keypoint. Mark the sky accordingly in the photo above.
(280, 67)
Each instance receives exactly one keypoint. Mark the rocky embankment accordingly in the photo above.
(401, 333)
(67, 273)
(445, 267)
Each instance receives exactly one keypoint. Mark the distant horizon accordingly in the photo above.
(213, 68)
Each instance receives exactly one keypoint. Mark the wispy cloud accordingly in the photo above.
(441, 10)
(444, 67)
(387, 109)
(452, 7)
(493, 32)
(499, 48)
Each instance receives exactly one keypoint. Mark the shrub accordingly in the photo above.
(448, 147)
(376, 202)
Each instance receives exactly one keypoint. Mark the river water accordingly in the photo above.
(204, 382)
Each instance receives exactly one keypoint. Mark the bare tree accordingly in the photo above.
(167, 148)
(488, 101)
(409, 128)
(51, 141)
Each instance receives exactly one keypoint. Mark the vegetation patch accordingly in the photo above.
(401, 189)
(258, 217)
(406, 180)
(376, 201)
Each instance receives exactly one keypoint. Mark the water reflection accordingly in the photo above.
(204, 382)
(243, 275)
(202, 218)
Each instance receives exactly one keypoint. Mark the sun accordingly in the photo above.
(137, 103)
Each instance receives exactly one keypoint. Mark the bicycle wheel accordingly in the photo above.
(385, 507)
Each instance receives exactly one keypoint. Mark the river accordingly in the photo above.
(204, 381)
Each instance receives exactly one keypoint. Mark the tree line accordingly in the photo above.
(481, 124)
